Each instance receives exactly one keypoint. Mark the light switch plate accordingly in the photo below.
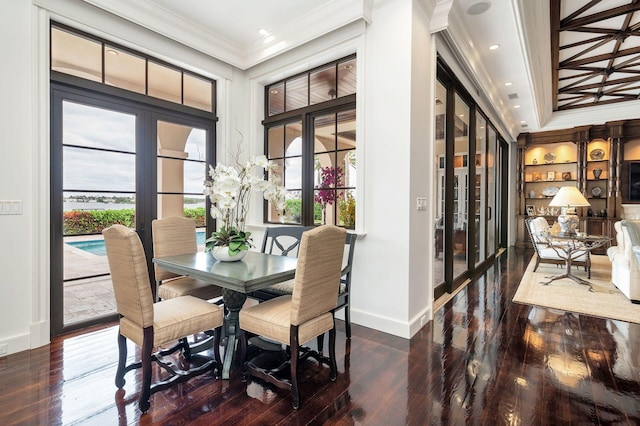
(421, 203)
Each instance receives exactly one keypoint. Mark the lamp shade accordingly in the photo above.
(569, 196)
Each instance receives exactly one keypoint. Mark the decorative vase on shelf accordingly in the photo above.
(532, 194)
(221, 253)
(597, 173)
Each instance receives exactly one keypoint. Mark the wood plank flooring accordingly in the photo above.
(483, 360)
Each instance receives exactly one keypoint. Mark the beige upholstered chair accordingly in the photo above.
(545, 252)
(150, 325)
(295, 319)
(286, 287)
(173, 236)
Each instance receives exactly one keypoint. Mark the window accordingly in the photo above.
(90, 58)
(310, 134)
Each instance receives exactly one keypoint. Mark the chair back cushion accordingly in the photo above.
(129, 275)
(317, 279)
(172, 236)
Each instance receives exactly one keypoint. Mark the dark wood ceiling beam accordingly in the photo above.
(590, 74)
(602, 57)
(600, 16)
(554, 17)
(594, 30)
(580, 43)
(579, 11)
(587, 50)
(575, 101)
(603, 84)
(576, 83)
(609, 101)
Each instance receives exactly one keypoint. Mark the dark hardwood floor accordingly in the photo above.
(483, 360)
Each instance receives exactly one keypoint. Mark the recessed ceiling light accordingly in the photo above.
(523, 122)
(478, 8)
(516, 106)
(263, 32)
(508, 84)
(274, 91)
(348, 67)
(112, 52)
(461, 115)
(494, 46)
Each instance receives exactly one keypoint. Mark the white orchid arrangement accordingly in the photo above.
(230, 190)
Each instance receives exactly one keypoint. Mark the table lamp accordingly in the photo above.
(568, 198)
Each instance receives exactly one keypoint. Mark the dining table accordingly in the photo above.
(255, 271)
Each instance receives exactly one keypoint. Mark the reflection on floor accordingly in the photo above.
(483, 360)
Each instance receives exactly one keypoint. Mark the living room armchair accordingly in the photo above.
(625, 265)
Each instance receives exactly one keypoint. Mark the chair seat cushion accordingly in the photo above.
(286, 287)
(550, 253)
(272, 319)
(174, 319)
(187, 286)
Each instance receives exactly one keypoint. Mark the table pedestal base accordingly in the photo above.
(233, 301)
(571, 277)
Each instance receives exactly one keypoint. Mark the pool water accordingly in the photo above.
(97, 247)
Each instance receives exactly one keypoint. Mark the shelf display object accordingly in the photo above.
(544, 164)
(602, 161)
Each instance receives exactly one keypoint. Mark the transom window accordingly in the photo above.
(310, 134)
(97, 60)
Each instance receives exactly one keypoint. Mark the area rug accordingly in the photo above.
(605, 301)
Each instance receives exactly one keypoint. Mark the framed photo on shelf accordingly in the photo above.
(551, 176)
(536, 177)
(531, 210)
(566, 175)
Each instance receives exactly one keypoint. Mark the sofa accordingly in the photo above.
(625, 265)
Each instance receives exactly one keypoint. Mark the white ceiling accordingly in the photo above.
(228, 30)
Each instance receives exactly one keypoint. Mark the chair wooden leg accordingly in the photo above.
(295, 349)
(320, 341)
(333, 365)
(122, 359)
(216, 350)
(147, 346)
(347, 320)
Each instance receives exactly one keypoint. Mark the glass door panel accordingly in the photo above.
(460, 188)
(439, 181)
(480, 189)
(98, 190)
(181, 171)
(491, 185)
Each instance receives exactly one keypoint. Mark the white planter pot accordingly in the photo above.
(221, 253)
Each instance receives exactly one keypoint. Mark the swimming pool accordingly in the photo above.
(97, 247)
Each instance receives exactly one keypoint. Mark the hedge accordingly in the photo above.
(80, 222)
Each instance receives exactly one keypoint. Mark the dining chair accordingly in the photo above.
(295, 319)
(150, 324)
(173, 236)
(286, 287)
(545, 252)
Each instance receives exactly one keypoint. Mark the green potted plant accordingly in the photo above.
(229, 190)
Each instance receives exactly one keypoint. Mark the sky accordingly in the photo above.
(99, 170)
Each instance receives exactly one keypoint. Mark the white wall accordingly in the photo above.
(396, 73)
(16, 175)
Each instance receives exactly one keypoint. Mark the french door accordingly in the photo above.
(115, 161)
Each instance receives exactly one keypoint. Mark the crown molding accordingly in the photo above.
(317, 22)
